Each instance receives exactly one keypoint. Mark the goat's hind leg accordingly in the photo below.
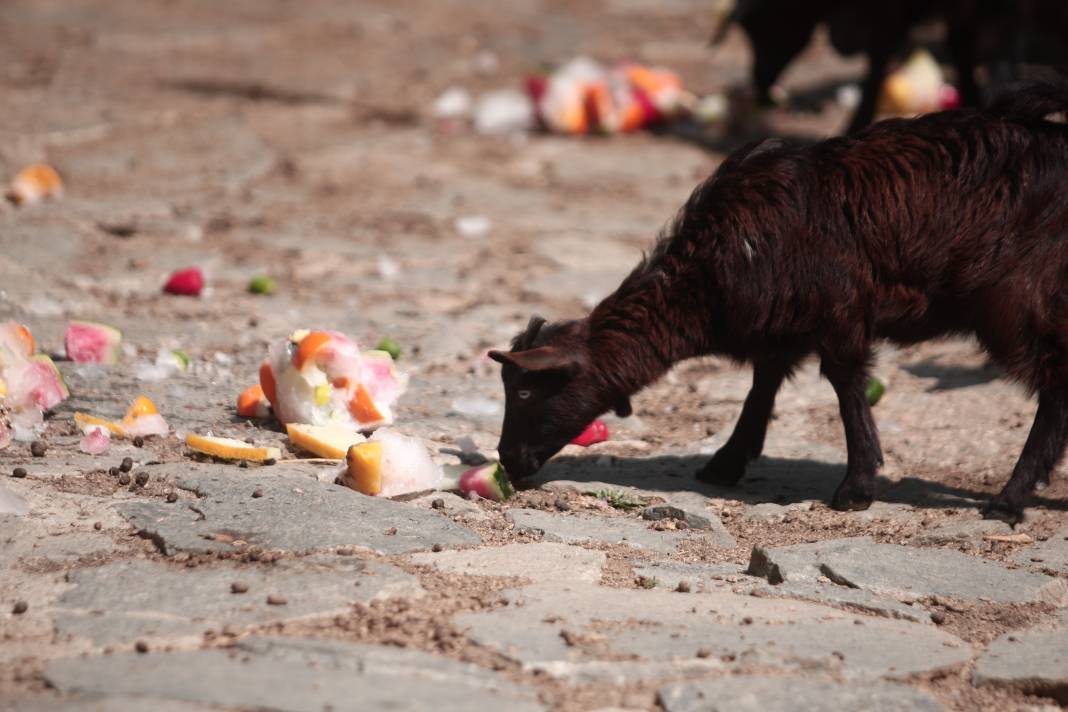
(746, 443)
(1041, 453)
(865, 455)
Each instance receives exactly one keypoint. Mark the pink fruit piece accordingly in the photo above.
(89, 342)
(96, 441)
(489, 481)
(37, 382)
(595, 432)
(187, 282)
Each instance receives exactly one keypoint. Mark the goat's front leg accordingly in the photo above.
(864, 455)
(1041, 453)
(746, 443)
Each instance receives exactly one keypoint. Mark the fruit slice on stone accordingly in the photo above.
(252, 403)
(141, 418)
(489, 481)
(34, 183)
(90, 342)
(330, 441)
(87, 422)
(364, 468)
(230, 449)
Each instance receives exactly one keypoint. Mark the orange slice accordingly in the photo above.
(84, 420)
(248, 403)
(363, 409)
(309, 346)
(267, 382)
(331, 441)
(230, 449)
(364, 472)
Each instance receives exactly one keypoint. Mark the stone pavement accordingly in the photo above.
(295, 140)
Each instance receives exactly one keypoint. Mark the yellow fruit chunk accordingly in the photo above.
(230, 449)
(322, 394)
(84, 420)
(332, 441)
(141, 406)
(3, 388)
(364, 473)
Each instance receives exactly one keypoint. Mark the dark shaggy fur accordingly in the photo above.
(953, 223)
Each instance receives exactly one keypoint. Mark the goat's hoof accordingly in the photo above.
(724, 469)
(851, 499)
(1005, 511)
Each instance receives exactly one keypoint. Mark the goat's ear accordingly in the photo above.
(543, 358)
(622, 407)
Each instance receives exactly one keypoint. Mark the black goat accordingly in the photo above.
(953, 223)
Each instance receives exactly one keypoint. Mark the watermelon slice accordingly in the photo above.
(489, 481)
(43, 383)
(90, 342)
(96, 441)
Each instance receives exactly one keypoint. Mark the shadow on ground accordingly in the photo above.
(771, 479)
(949, 378)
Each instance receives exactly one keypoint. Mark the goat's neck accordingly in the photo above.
(635, 338)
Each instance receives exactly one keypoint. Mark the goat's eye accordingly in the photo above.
(523, 394)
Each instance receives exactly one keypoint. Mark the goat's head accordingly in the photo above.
(552, 392)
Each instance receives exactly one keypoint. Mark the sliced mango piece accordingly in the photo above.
(230, 449)
(330, 441)
(35, 183)
(364, 472)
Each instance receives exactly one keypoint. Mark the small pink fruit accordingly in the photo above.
(187, 282)
(595, 432)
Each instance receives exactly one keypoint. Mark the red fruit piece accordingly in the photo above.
(187, 282)
(595, 432)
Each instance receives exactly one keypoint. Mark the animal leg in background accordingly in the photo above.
(746, 443)
(1041, 453)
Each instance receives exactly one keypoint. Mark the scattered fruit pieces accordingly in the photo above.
(90, 342)
(35, 183)
(230, 449)
(330, 441)
(917, 87)
(96, 441)
(595, 432)
(141, 420)
(29, 384)
(252, 403)
(261, 284)
(489, 481)
(187, 282)
(390, 346)
(874, 390)
(321, 378)
(390, 464)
